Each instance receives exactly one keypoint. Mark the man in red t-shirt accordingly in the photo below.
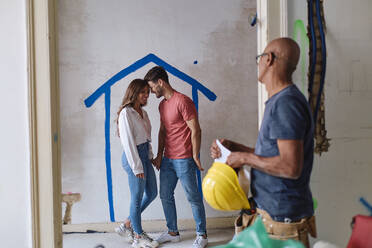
(178, 155)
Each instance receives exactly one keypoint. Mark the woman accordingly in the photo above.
(134, 130)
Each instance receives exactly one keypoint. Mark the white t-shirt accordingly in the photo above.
(134, 130)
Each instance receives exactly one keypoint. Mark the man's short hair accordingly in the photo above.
(157, 73)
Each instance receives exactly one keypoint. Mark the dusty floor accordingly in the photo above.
(112, 240)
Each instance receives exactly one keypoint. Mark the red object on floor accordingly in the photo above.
(361, 237)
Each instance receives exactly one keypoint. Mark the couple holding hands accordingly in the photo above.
(177, 157)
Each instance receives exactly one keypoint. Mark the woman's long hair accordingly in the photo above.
(130, 97)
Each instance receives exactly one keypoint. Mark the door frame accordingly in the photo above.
(43, 99)
(272, 23)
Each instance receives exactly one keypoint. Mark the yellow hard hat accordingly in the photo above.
(221, 189)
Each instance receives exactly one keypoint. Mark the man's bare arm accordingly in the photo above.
(236, 147)
(288, 164)
(194, 126)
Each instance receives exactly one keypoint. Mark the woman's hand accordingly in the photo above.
(141, 175)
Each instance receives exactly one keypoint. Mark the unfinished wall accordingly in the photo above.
(210, 41)
(343, 175)
(15, 213)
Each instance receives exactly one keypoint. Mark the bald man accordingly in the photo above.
(282, 159)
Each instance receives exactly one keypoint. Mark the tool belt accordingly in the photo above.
(246, 217)
(278, 230)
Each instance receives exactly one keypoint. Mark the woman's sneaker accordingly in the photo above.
(200, 242)
(144, 241)
(126, 232)
(166, 237)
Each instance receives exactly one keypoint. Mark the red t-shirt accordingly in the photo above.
(174, 113)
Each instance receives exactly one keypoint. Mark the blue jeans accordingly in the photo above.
(142, 191)
(184, 169)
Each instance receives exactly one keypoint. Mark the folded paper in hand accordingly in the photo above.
(224, 153)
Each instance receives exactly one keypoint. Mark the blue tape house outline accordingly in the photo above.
(106, 90)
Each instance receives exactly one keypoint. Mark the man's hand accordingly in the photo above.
(157, 162)
(236, 159)
(198, 163)
(215, 150)
(141, 175)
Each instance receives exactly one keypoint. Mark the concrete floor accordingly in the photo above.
(112, 240)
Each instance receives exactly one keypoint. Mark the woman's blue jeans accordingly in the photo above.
(142, 191)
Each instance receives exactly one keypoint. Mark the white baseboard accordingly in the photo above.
(150, 225)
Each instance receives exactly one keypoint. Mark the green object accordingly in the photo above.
(256, 236)
(315, 202)
(299, 29)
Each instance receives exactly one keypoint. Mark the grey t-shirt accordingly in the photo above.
(287, 116)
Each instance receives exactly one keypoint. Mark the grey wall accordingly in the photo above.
(97, 39)
(15, 213)
(343, 175)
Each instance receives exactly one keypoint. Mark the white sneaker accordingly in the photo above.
(125, 232)
(166, 237)
(144, 241)
(200, 242)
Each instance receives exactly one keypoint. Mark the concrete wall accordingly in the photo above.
(15, 214)
(210, 41)
(343, 175)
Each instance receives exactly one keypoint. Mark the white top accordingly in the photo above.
(134, 130)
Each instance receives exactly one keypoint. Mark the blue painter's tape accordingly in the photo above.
(209, 94)
(195, 98)
(106, 89)
(366, 204)
(108, 153)
(196, 102)
(254, 20)
(140, 63)
(199, 183)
